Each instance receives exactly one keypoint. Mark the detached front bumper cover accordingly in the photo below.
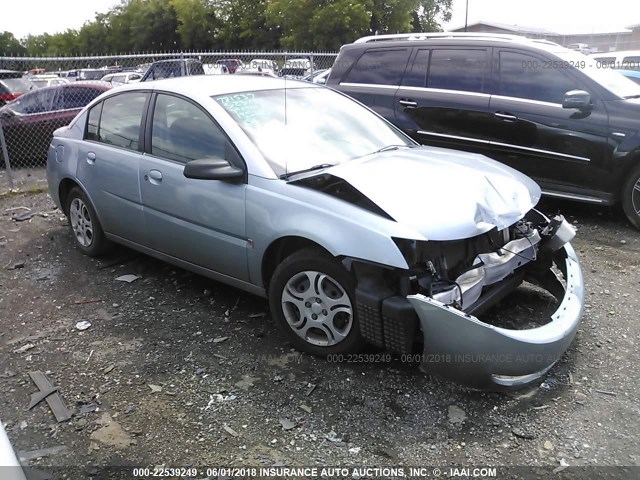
(461, 348)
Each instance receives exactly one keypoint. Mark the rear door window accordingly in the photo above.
(458, 69)
(78, 97)
(380, 67)
(118, 122)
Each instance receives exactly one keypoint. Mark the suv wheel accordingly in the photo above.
(631, 198)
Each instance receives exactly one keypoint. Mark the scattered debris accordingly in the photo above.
(355, 450)
(517, 432)
(457, 415)
(287, 424)
(22, 217)
(111, 433)
(155, 388)
(109, 369)
(246, 382)
(24, 348)
(258, 315)
(306, 408)
(310, 389)
(563, 464)
(129, 408)
(54, 400)
(548, 445)
(83, 325)
(43, 452)
(84, 302)
(127, 278)
(229, 430)
(604, 392)
(333, 437)
(220, 339)
(88, 407)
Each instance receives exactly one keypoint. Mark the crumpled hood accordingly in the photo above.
(442, 194)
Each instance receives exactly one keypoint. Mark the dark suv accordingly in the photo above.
(172, 68)
(547, 111)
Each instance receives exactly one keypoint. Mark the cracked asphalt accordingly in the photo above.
(178, 370)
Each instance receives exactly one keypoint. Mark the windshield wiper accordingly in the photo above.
(310, 169)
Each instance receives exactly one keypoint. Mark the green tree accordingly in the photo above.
(10, 45)
(430, 15)
(198, 24)
(244, 25)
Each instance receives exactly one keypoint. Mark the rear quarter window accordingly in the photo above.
(379, 67)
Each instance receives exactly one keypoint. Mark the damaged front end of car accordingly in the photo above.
(439, 300)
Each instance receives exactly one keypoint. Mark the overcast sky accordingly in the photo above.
(562, 16)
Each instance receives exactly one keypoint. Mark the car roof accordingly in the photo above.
(211, 85)
(453, 38)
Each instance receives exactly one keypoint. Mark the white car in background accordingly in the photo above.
(122, 78)
(41, 81)
(263, 65)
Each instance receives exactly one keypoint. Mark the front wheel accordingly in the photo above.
(631, 198)
(311, 296)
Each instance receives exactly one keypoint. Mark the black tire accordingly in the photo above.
(314, 260)
(95, 243)
(631, 198)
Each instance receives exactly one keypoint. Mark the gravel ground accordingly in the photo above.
(178, 370)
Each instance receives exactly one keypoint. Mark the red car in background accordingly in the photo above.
(28, 123)
(232, 64)
(12, 85)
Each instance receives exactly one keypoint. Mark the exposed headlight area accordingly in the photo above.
(449, 284)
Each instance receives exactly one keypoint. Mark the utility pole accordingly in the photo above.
(466, 17)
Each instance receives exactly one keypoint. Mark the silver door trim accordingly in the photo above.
(454, 137)
(444, 90)
(569, 196)
(369, 85)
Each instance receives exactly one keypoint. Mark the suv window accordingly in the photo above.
(183, 132)
(34, 102)
(380, 67)
(455, 69)
(116, 121)
(631, 63)
(523, 76)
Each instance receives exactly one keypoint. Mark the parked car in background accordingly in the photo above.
(295, 68)
(318, 76)
(178, 67)
(71, 75)
(28, 122)
(46, 80)
(12, 85)
(580, 47)
(353, 231)
(263, 65)
(531, 104)
(91, 73)
(121, 78)
(232, 64)
(633, 75)
(215, 69)
(621, 60)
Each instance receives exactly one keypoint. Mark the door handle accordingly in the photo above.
(507, 117)
(91, 158)
(408, 103)
(155, 177)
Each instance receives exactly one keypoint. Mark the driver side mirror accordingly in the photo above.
(577, 99)
(212, 169)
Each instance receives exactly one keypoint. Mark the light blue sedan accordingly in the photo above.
(356, 234)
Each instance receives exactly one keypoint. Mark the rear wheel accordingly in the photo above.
(631, 198)
(84, 224)
(312, 299)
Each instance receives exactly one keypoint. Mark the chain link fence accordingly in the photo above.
(40, 94)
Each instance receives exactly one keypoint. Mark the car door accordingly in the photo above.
(109, 161)
(443, 100)
(27, 133)
(532, 132)
(198, 221)
(375, 77)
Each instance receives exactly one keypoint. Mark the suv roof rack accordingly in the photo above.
(425, 36)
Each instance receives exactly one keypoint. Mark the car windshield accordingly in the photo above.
(608, 78)
(298, 129)
(17, 85)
